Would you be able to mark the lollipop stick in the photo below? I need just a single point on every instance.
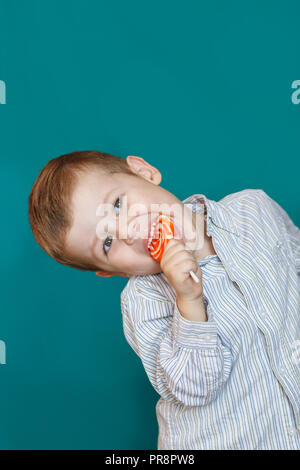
(194, 276)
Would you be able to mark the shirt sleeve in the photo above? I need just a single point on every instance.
(293, 232)
(185, 360)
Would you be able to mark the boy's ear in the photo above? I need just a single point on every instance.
(142, 168)
(108, 274)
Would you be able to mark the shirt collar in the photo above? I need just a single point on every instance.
(215, 214)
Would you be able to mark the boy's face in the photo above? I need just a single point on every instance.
(112, 217)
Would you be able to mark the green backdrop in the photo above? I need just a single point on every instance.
(201, 90)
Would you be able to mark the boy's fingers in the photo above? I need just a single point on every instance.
(180, 257)
(171, 248)
(174, 245)
(186, 265)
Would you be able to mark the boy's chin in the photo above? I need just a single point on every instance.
(154, 270)
(109, 274)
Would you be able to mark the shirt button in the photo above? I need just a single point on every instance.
(282, 370)
(291, 431)
(263, 313)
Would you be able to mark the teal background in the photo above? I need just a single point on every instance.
(201, 90)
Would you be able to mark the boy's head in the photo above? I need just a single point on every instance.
(75, 206)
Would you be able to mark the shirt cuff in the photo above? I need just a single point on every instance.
(194, 334)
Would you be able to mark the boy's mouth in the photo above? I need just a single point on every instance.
(151, 231)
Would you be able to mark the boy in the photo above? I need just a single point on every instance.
(223, 354)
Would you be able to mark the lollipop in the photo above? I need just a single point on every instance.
(162, 231)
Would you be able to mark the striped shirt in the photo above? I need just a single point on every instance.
(232, 382)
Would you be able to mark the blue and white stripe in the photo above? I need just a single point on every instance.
(232, 382)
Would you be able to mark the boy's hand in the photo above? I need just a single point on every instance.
(176, 262)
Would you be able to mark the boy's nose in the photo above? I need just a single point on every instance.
(129, 234)
(132, 231)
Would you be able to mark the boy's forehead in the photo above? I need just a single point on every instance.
(98, 183)
(91, 184)
(89, 191)
(94, 176)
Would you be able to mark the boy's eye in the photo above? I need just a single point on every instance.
(107, 243)
(108, 240)
(118, 203)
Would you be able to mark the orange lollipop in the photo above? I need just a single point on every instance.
(163, 232)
